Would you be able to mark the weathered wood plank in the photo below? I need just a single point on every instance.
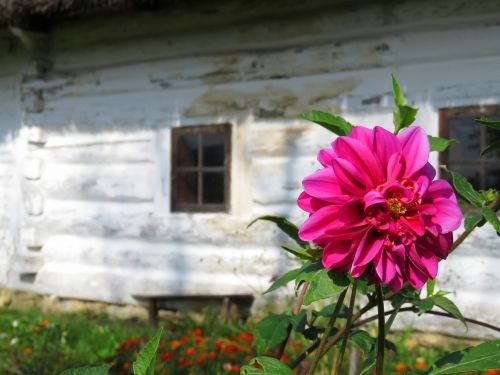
(355, 54)
(349, 22)
(119, 151)
(126, 182)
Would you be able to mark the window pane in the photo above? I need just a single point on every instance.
(213, 149)
(187, 187)
(213, 187)
(493, 176)
(188, 150)
(492, 135)
(470, 171)
(467, 132)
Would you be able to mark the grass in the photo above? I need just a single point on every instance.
(34, 343)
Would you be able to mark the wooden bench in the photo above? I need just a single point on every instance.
(237, 304)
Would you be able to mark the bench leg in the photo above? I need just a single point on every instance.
(153, 312)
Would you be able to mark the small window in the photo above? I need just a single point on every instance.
(201, 168)
(465, 157)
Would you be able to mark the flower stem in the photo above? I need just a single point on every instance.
(381, 332)
(347, 329)
(327, 332)
(296, 310)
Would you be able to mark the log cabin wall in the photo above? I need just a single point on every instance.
(86, 119)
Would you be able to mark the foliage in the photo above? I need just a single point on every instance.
(318, 283)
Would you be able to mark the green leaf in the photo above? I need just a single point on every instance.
(369, 362)
(299, 253)
(403, 115)
(440, 144)
(299, 321)
(491, 217)
(286, 226)
(391, 319)
(335, 124)
(283, 280)
(266, 366)
(431, 285)
(146, 360)
(100, 370)
(271, 331)
(448, 306)
(478, 358)
(323, 283)
(423, 305)
(490, 148)
(362, 340)
(327, 311)
(495, 124)
(465, 189)
(471, 220)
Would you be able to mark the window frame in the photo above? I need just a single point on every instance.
(200, 207)
(468, 111)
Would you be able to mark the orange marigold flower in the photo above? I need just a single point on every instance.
(182, 361)
(247, 358)
(492, 372)
(212, 355)
(202, 361)
(198, 332)
(34, 329)
(400, 367)
(198, 340)
(219, 344)
(126, 365)
(247, 337)
(27, 351)
(166, 356)
(420, 364)
(184, 338)
(175, 344)
(190, 351)
(43, 323)
(235, 368)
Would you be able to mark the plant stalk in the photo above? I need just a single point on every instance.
(347, 329)
(327, 332)
(381, 332)
(296, 310)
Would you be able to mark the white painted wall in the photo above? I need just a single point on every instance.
(95, 149)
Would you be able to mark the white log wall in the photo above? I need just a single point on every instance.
(85, 158)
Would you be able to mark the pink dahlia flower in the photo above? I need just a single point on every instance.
(375, 209)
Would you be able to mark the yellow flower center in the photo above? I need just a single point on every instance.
(396, 207)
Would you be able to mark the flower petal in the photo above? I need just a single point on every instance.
(385, 144)
(415, 148)
(448, 215)
(362, 134)
(319, 222)
(309, 203)
(325, 157)
(322, 184)
(338, 255)
(351, 180)
(360, 157)
(385, 266)
(370, 245)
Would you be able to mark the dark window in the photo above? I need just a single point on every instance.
(458, 123)
(201, 168)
